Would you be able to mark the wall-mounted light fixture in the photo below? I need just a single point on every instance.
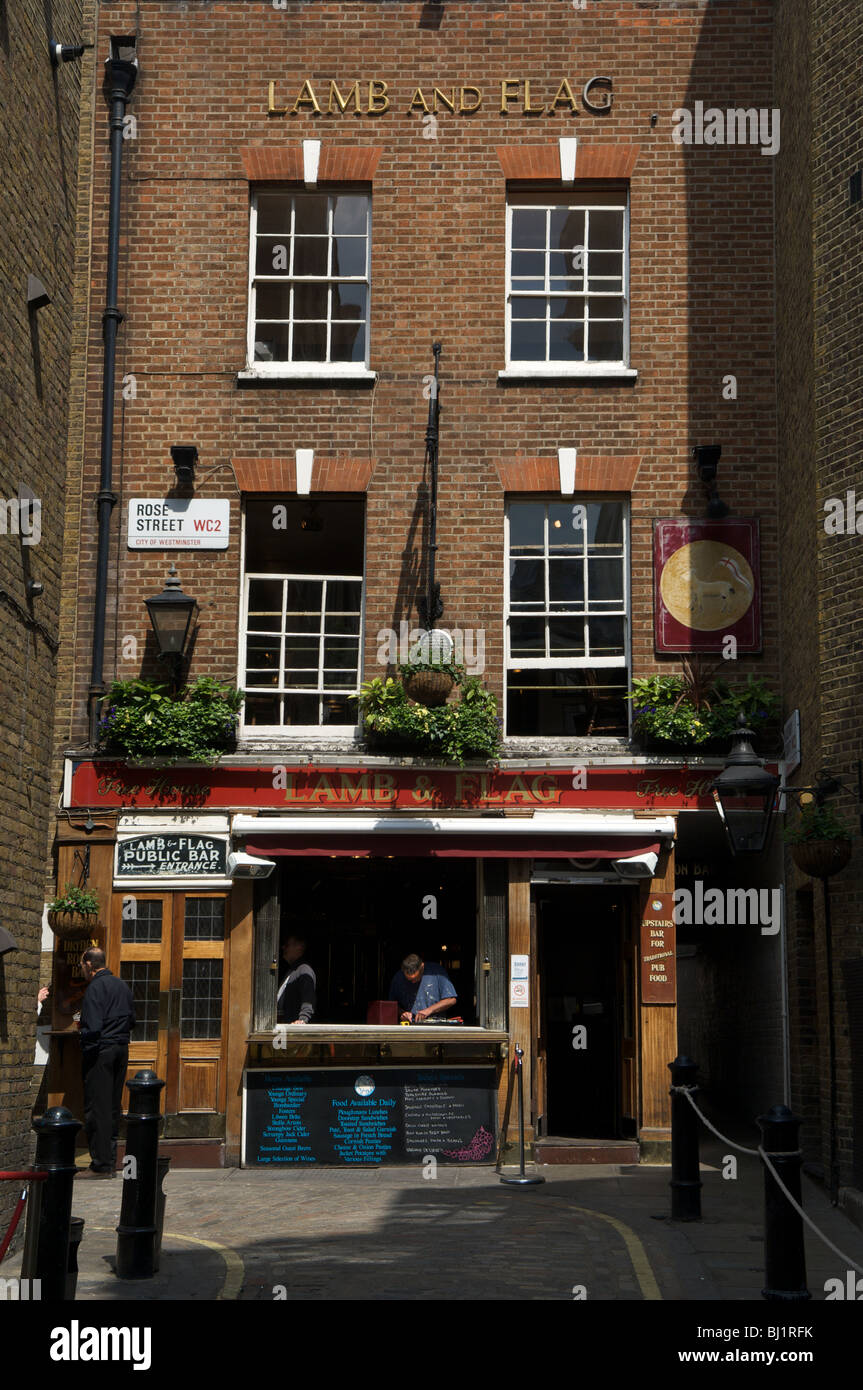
(171, 613)
(185, 458)
(66, 52)
(707, 458)
(745, 796)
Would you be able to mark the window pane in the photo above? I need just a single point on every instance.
(260, 711)
(574, 702)
(310, 301)
(265, 605)
(274, 213)
(569, 307)
(142, 919)
(528, 263)
(310, 255)
(566, 637)
(340, 653)
(272, 342)
(567, 230)
(204, 919)
(607, 308)
(604, 265)
(349, 255)
(337, 709)
(310, 342)
(348, 342)
(528, 341)
(527, 582)
(301, 709)
(526, 521)
(273, 255)
(272, 301)
(528, 308)
(566, 341)
(605, 342)
(606, 231)
(527, 637)
(262, 661)
(343, 596)
(528, 228)
(605, 580)
(564, 538)
(311, 214)
(142, 977)
(566, 583)
(304, 595)
(607, 636)
(350, 213)
(201, 999)
(350, 302)
(605, 525)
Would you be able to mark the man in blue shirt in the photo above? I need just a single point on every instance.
(421, 990)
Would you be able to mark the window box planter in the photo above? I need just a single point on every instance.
(144, 724)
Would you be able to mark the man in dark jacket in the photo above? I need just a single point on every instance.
(296, 999)
(107, 1020)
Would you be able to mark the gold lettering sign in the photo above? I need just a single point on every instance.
(370, 96)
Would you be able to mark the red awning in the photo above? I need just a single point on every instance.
(442, 846)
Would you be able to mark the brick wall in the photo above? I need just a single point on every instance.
(819, 245)
(38, 133)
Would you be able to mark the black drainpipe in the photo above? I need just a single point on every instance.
(120, 74)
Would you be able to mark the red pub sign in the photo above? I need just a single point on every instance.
(281, 787)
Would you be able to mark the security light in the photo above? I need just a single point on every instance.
(66, 52)
(185, 457)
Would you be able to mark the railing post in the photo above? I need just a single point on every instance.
(136, 1233)
(685, 1171)
(76, 1232)
(521, 1179)
(784, 1250)
(49, 1214)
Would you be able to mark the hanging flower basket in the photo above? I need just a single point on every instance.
(821, 858)
(71, 925)
(429, 688)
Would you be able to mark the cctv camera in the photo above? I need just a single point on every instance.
(242, 865)
(639, 866)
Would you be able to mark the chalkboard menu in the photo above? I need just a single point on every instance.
(345, 1115)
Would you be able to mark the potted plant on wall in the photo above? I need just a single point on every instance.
(820, 841)
(74, 912)
(467, 728)
(430, 682)
(144, 721)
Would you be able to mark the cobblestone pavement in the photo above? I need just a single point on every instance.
(391, 1234)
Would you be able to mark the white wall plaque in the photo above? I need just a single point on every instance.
(178, 523)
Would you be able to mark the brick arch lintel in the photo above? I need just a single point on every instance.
(284, 163)
(593, 473)
(330, 473)
(529, 162)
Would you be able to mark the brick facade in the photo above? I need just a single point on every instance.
(820, 371)
(39, 137)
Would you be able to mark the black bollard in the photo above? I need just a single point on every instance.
(136, 1233)
(685, 1172)
(76, 1232)
(46, 1244)
(522, 1180)
(784, 1250)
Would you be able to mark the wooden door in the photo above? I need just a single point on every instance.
(173, 950)
(537, 1017)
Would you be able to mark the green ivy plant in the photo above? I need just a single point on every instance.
(144, 720)
(466, 728)
(816, 823)
(687, 712)
(74, 899)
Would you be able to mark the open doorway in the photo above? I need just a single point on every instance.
(586, 1013)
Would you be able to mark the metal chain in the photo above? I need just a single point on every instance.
(759, 1153)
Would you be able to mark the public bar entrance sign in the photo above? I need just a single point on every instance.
(172, 856)
(344, 1117)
